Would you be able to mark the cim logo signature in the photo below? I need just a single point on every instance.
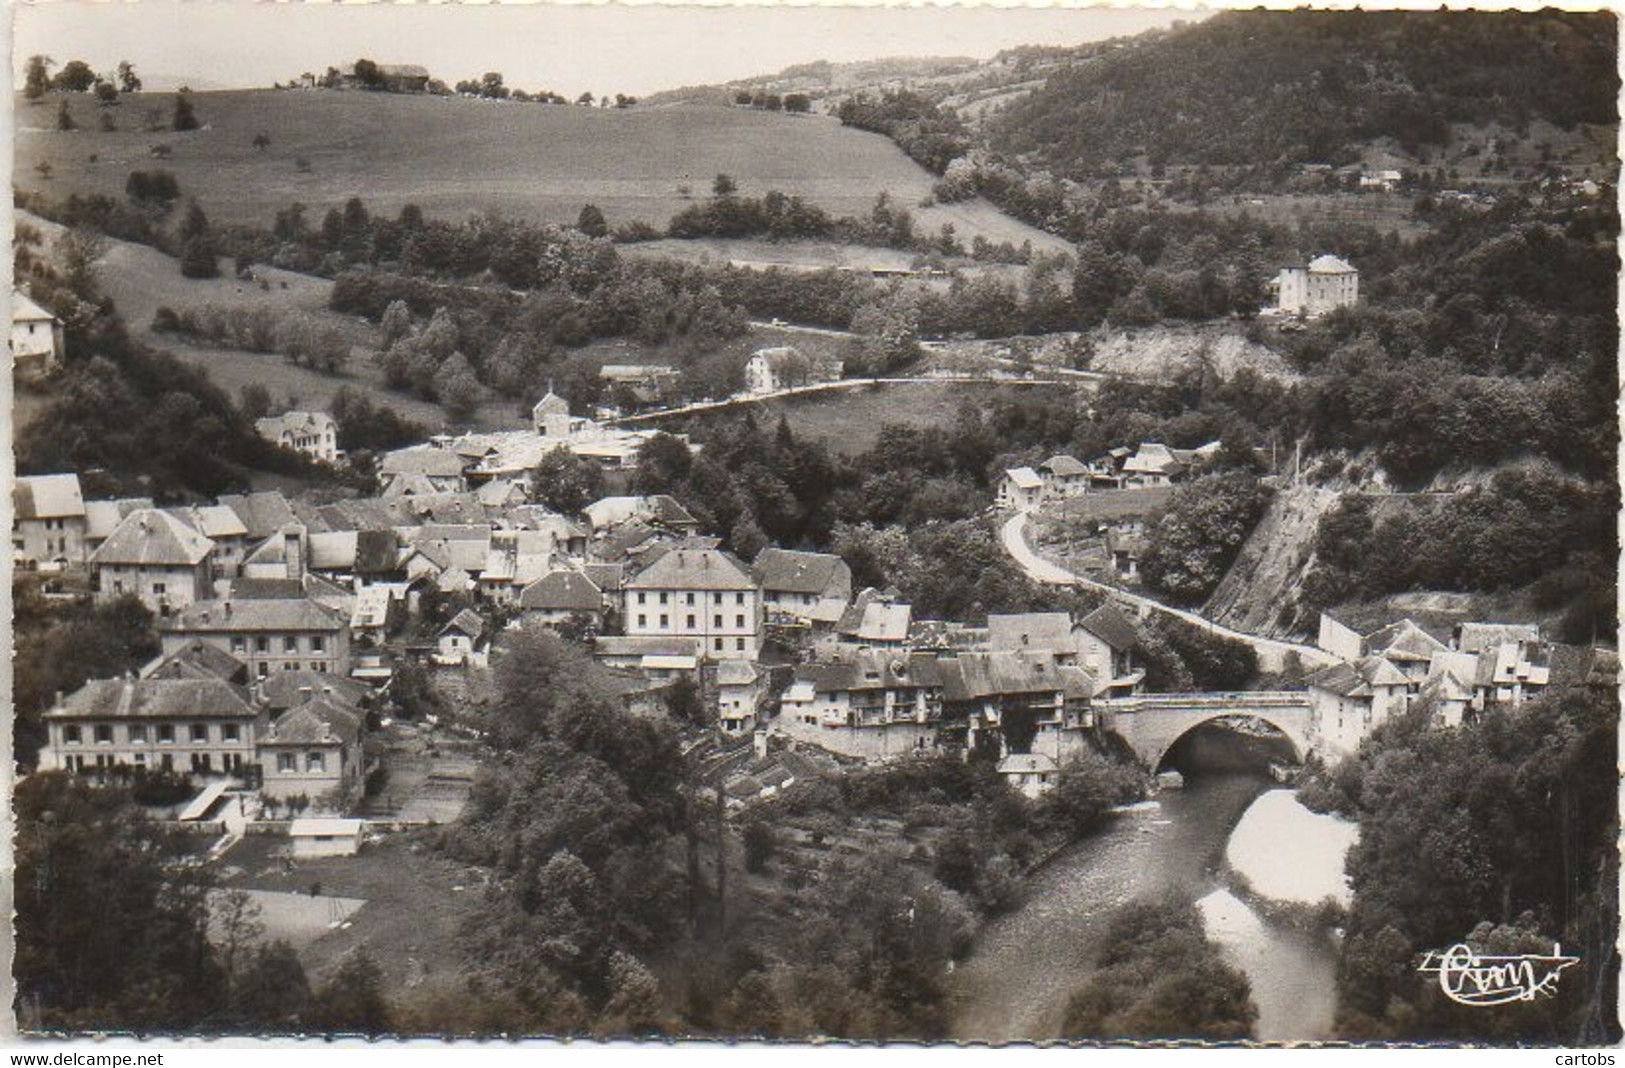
(1470, 978)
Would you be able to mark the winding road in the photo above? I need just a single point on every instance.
(1272, 652)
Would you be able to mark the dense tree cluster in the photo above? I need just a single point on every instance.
(1158, 976)
(930, 136)
(1303, 86)
(305, 340)
(1502, 836)
(1190, 546)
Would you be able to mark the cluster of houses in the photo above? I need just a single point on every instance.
(1150, 465)
(1478, 666)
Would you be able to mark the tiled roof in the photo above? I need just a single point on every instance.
(466, 622)
(1064, 466)
(1029, 630)
(694, 569)
(1024, 477)
(285, 689)
(263, 514)
(318, 721)
(423, 460)
(786, 571)
(1026, 764)
(200, 660)
(249, 614)
(153, 538)
(874, 671)
(1330, 265)
(562, 591)
(1112, 627)
(644, 645)
(973, 676)
(47, 497)
(211, 520)
(1476, 637)
(156, 699)
(103, 517)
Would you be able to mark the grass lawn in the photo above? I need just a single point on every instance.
(453, 156)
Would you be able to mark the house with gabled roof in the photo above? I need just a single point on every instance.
(561, 596)
(198, 660)
(314, 434)
(1347, 701)
(314, 750)
(461, 640)
(156, 557)
(696, 593)
(1327, 283)
(222, 526)
(802, 587)
(1020, 489)
(1064, 476)
(875, 618)
(421, 470)
(36, 339)
(48, 521)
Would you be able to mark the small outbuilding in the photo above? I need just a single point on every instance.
(326, 837)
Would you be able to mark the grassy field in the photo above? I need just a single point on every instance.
(452, 156)
(849, 421)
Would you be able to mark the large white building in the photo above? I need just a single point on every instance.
(697, 593)
(1327, 283)
(36, 338)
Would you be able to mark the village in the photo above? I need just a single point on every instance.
(286, 626)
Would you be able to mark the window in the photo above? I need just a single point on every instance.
(689, 598)
(315, 761)
(263, 669)
(663, 597)
(104, 734)
(239, 644)
(287, 763)
(665, 621)
(166, 733)
(716, 621)
(643, 620)
(739, 621)
(230, 732)
(691, 623)
(290, 665)
(158, 589)
(319, 666)
(716, 598)
(262, 644)
(200, 732)
(643, 598)
(138, 732)
(717, 645)
(739, 644)
(290, 644)
(318, 644)
(71, 735)
(739, 598)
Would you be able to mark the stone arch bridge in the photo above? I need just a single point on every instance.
(1151, 723)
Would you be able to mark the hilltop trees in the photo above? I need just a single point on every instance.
(184, 118)
(37, 78)
(75, 77)
(128, 80)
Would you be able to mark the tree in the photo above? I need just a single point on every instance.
(591, 221)
(351, 1000)
(37, 80)
(128, 81)
(724, 186)
(262, 141)
(585, 99)
(184, 117)
(271, 990)
(64, 118)
(797, 103)
(457, 388)
(396, 322)
(75, 77)
(566, 483)
(254, 400)
(198, 259)
(368, 74)
(1191, 546)
(761, 842)
(491, 85)
(106, 93)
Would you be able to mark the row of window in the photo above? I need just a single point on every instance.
(263, 669)
(692, 624)
(201, 763)
(317, 643)
(102, 733)
(688, 598)
(288, 763)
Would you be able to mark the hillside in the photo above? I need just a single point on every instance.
(1265, 88)
(454, 156)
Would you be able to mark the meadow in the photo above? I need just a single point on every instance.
(453, 156)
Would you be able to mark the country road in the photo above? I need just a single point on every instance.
(1271, 652)
(819, 387)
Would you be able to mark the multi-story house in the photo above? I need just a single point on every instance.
(36, 338)
(799, 587)
(697, 593)
(313, 433)
(156, 557)
(1327, 283)
(314, 750)
(47, 521)
(268, 634)
(199, 726)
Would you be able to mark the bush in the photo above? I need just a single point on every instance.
(761, 843)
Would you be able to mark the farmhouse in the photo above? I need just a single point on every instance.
(1064, 476)
(390, 77)
(1326, 284)
(1029, 773)
(47, 521)
(560, 596)
(460, 640)
(313, 433)
(697, 593)
(36, 339)
(202, 726)
(156, 557)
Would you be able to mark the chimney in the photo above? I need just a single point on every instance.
(293, 553)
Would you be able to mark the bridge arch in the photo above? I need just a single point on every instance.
(1150, 724)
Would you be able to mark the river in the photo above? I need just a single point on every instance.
(1025, 965)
